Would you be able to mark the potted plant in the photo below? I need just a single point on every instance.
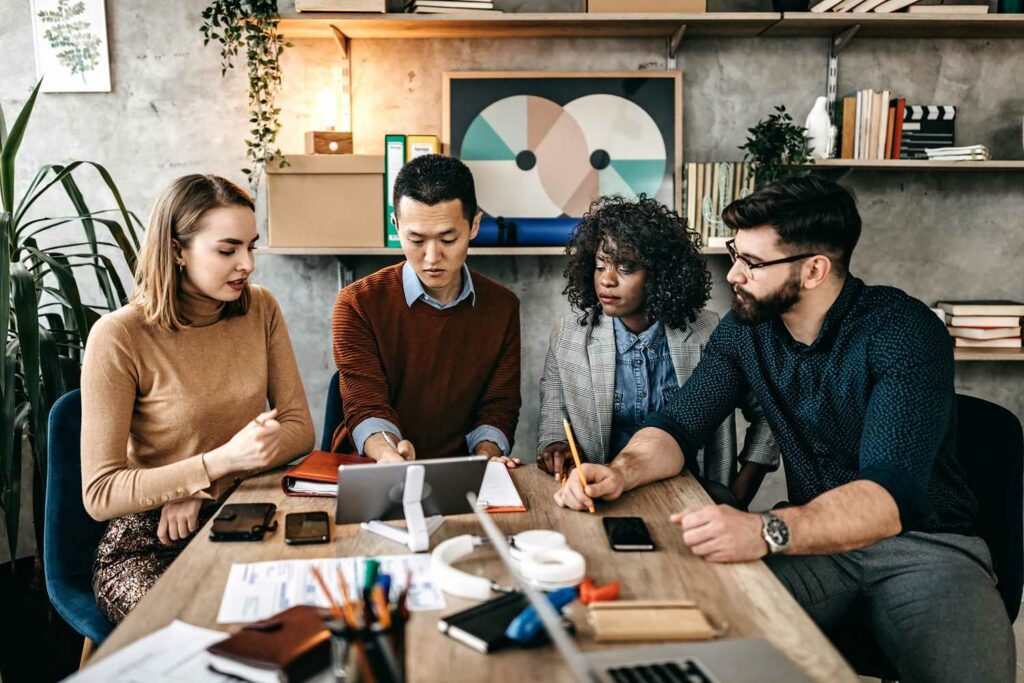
(776, 148)
(44, 320)
(251, 25)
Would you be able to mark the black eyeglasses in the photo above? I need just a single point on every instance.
(749, 268)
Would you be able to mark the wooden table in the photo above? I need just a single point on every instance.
(747, 597)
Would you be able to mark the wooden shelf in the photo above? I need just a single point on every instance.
(916, 165)
(809, 24)
(526, 25)
(713, 24)
(988, 354)
(383, 251)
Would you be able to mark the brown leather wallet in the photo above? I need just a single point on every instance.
(294, 642)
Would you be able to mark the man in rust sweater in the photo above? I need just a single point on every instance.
(428, 350)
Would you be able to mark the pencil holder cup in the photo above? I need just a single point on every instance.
(362, 655)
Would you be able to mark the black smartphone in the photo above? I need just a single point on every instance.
(306, 527)
(628, 533)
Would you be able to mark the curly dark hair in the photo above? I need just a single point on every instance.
(649, 235)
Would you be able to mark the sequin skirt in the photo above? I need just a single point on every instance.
(130, 558)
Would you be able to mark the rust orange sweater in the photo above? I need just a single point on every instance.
(437, 375)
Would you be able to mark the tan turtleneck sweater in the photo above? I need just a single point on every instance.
(154, 401)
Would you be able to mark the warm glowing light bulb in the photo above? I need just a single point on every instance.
(327, 108)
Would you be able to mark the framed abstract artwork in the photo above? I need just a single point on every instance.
(544, 145)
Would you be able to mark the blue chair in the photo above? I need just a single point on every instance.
(990, 448)
(70, 535)
(333, 413)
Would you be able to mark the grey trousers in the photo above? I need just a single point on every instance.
(929, 598)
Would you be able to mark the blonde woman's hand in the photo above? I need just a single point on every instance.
(254, 447)
(179, 519)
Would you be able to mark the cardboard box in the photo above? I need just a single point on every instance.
(341, 6)
(647, 6)
(326, 201)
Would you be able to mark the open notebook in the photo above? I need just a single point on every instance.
(317, 475)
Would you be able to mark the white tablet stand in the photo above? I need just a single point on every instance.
(418, 528)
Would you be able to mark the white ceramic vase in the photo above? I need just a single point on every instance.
(818, 125)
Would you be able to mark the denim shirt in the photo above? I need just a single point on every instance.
(644, 378)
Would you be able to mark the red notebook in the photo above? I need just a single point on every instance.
(317, 474)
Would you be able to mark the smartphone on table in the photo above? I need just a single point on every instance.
(306, 527)
(628, 533)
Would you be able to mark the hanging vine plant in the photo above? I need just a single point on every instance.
(251, 25)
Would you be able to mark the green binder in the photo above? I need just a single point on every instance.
(394, 159)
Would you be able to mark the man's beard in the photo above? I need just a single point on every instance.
(751, 311)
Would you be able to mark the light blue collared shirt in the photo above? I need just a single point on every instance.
(414, 291)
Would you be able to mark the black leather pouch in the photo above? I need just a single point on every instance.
(243, 522)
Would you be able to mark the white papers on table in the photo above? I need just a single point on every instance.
(317, 488)
(261, 589)
(497, 489)
(176, 652)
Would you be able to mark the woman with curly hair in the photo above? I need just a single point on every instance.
(638, 282)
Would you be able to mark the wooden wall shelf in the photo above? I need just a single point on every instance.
(988, 354)
(526, 25)
(384, 251)
(714, 24)
(916, 165)
(807, 24)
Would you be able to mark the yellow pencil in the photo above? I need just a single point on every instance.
(576, 457)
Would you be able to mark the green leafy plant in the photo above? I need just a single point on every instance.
(251, 25)
(79, 47)
(44, 321)
(776, 148)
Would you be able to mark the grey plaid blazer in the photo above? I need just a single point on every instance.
(579, 376)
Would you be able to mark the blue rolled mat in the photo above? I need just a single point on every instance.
(524, 232)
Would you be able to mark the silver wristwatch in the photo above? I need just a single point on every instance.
(775, 533)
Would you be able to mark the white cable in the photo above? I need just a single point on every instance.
(553, 569)
(543, 559)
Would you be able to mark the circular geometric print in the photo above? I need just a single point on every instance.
(531, 157)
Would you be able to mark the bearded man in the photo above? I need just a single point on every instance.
(856, 383)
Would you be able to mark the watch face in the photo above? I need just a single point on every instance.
(778, 531)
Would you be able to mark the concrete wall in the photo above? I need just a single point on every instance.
(170, 113)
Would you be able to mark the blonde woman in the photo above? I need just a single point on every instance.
(175, 388)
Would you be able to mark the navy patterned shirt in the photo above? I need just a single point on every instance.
(871, 398)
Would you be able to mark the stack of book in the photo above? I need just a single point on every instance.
(709, 188)
(983, 324)
(877, 126)
(889, 6)
(478, 7)
(968, 153)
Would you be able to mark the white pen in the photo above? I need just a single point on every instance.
(387, 437)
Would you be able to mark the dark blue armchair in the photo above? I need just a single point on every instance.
(70, 535)
(333, 413)
(990, 448)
